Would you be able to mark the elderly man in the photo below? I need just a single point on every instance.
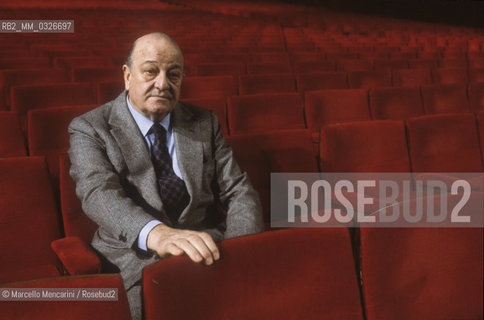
(154, 173)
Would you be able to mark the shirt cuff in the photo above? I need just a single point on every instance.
(143, 235)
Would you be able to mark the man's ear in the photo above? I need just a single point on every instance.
(127, 77)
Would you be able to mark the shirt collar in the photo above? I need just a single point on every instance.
(144, 124)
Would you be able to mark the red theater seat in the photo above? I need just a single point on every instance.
(263, 113)
(24, 63)
(321, 81)
(266, 83)
(284, 151)
(28, 220)
(354, 65)
(369, 146)
(389, 64)
(96, 74)
(369, 79)
(47, 133)
(269, 68)
(449, 75)
(271, 277)
(412, 77)
(218, 105)
(314, 66)
(208, 87)
(333, 106)
(25, 98)
(10, 78)
(445, 98)
(109, 90)
(75, 309)
(70, 63)
(221, 69)
(476, 96)
(476, 74)
(270, 57)
(395, 103)
(444, 143)
(11, 138)
(422, 273)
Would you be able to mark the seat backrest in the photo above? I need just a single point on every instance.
(449, 75)
(395, 103)
(334, 106)
(29, 220)
(266, 83)
(269, 264)
(444, 143)
(95, 74)
(109, 90)
(208, 87)
(314, 66)
(369, 79)
(263, 113)
(11, 138)
(411, 77)
(476, 96)
(445, 98)
(368, 146)
(221, 69)
(75, 309)
(321, 81)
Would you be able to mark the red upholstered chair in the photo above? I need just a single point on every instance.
(412, 77)
(208, 87)
(476, 96)
(333, 106)
(422, 273)
(321, 81)
(109, 90)
(444, 143)
(218, 105)
(76, 309)
(11, 138)
(47, 133)
(25, 98)
(354, 65)
(95, 74)
(221, 69)
(70, 63)
(395, 103)
(449, 75)
(445, 98)
(15, 77)
(263, 113)
(24, 63)
(266, 83)
(283, 151)
(263, 276)
(390, 64)
(29, 220)
(269, 68)
(367, 146)
(369, 79)
(314, 66)
(476, 74)
(270, 57)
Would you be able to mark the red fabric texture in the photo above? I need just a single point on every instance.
(266, 83)
(218, 105)
(11, 138)
(369, 146)
(444, 143)
(480, 126)
(333, 106)
(285, 151)
(47, 133)
(354, 65)
(74, 310)
(76, 223)
(445, 98)
(449, 75)
(289, 274)
(208, 87)
(221, 69)
(314, 66)
(94, 74)
(76, 256)
(395, 103)
(476, 96)
(269, 67)
(476, 74)
(412, 77)
(369, 79)
(268, 112)
(109, 90)
(29, 219)
(389, 64)
(25, 98)
(422, 273)
(321, 81)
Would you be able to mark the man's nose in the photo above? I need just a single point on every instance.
(161, 81)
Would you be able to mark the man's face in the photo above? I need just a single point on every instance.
(155, 77)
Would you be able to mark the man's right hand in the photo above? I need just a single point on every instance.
(199, 246)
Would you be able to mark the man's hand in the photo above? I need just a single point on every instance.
(199, 246)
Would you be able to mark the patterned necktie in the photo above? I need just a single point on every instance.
(173, 191)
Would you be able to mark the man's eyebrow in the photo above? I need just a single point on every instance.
(174, 65)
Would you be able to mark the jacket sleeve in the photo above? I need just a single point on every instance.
(238, 197)
(99, 186)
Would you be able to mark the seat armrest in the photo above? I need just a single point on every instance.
(76, 256)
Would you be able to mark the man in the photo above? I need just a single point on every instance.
(154, 172)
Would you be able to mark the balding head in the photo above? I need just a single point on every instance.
(153, 74)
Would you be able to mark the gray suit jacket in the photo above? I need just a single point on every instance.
(117, 185)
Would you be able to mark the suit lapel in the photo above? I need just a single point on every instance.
(135, 151)
(189, 149)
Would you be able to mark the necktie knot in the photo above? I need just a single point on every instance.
(158, 130)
